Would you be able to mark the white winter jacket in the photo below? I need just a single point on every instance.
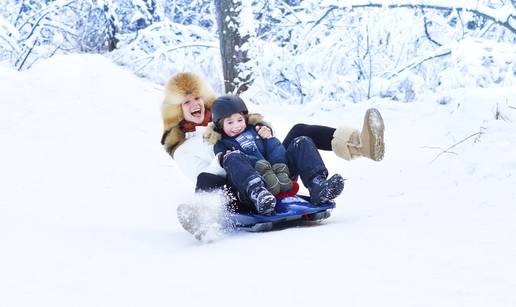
(195, 155)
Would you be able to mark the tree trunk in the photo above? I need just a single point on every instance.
(228, 26)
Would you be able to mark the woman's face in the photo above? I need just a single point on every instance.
(233, 125)
(193, 109)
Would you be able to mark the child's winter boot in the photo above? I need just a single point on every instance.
(262, 199)
(349, 143)
(324, 190)
(264, 168)
(283, 174)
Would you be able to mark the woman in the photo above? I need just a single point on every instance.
(186, 111)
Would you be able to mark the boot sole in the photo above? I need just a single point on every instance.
(375, 132)
(268, 205)
(333, 189)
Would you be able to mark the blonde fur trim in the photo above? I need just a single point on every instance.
(256, 118)
(172, 115)
(210, 135)
(339, 143)
(174, 138)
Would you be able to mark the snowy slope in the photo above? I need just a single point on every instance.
(88, 199)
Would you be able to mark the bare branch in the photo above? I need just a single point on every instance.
(485, 30)
(295, 84)
(49, 10)
(19, 15)
(500, 115)
(331, 8)
(461, 24)
(447, 150)
(35, 26)
(288, 8)
(27, 55)
(165, 50)
(143, 65)
(419, 62)
(9, 42)
(432, 147)
(188, 45)
(427, 34)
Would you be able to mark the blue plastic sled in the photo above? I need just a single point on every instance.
(289, 211)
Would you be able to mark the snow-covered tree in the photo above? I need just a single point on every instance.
(97, 27)
(234, 43)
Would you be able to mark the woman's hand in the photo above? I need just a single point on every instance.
(264, 132)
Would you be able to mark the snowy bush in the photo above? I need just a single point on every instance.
(479, 63)
(165, 48)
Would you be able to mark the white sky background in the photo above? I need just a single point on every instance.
(88, 200)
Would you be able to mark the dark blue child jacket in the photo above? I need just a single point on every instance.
(251, 144)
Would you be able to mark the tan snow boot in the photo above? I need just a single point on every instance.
(371, 137)
(349, 143)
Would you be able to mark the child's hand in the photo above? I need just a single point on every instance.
(264, 132)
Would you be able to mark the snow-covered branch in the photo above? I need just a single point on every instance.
(439, 53)
(504, 16)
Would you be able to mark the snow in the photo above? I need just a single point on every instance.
(88, 203)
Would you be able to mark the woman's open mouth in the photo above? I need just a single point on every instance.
(196, 112)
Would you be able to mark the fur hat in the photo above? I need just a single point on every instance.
(177, 89)
(184, 84)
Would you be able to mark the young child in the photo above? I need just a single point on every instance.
(239, 155)
(266, 154)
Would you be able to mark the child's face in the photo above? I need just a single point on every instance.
(233, 125)
(193, 109)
